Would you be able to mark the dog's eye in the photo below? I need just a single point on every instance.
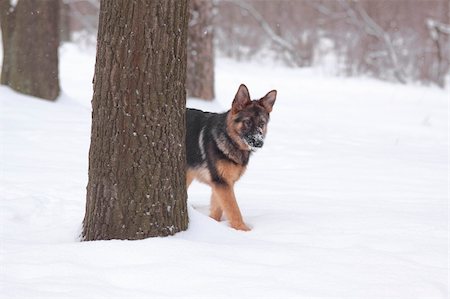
(247, 122)
(262, 124)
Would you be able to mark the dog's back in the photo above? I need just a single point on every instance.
(196, 121)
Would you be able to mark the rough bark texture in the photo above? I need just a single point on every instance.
(30, 47)
(200, 69)
(137, 184)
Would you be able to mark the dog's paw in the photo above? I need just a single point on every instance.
(240, 226)
(216, 216)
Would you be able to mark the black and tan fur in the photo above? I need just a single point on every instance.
(218, 148)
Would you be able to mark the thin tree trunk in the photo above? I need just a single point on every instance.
(137, 180)
(64, 22)
(7, 17)
(30, 47)
(200, 77)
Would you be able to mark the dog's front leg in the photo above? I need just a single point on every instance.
(224, 195)
(215, 211)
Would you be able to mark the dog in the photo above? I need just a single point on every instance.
(218, 148)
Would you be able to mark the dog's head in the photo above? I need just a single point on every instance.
(247, 119)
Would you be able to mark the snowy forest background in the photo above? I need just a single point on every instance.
(347, 199)
(399, 41)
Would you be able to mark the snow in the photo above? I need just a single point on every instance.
(348, 198)
(13, 3)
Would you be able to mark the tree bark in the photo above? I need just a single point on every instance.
(137, 180)
(200, 76)
(30, 47)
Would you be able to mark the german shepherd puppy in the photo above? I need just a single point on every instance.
(218, 148)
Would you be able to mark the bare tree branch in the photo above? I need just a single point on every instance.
(330, 14)
(438, 27)
(277, 39)
(361, 18)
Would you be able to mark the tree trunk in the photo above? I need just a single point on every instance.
(200, 76)
(137, 160)
(64, 22)
(30, 47)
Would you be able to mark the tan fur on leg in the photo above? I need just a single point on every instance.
(227, 200)
(215, 209)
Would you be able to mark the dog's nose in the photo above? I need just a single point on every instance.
(258, 143)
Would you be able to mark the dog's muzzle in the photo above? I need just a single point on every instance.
(254, 141)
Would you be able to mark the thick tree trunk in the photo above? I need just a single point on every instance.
(200, 69)
(30, 47)
(137, 180)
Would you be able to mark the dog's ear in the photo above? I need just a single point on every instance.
(268, 100)
(241, 99)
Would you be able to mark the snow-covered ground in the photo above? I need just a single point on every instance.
(348, 198)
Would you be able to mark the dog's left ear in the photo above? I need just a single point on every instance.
(269, 100)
